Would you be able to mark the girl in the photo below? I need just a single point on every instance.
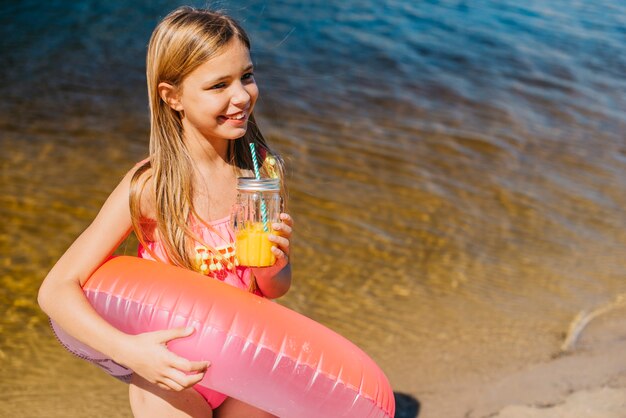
(202, 93)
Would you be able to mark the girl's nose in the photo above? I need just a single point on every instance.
(240, 95)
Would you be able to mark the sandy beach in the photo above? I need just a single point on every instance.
(589, 381)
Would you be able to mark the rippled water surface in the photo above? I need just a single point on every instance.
(457, 172)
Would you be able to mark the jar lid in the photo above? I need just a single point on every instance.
(258, 185)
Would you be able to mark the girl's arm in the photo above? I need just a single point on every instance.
(62, 298)
(275, 281)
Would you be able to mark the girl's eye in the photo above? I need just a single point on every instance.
(218, 86)
(248, 76)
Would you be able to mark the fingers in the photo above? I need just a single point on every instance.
(279, 253)
(182, 371)
(178, 380)
(189, 366)
(283, 234)
(181, 376)
(173, 333)
(285, 227)
(155, 363)
(178, 362)
(178, 383)
(163, 386)
(286, 218)
(170, 384)
(281, 242)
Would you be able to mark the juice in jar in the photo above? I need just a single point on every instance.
(253, 247)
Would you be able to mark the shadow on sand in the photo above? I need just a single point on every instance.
(406, 405)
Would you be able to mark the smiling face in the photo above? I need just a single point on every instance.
(216, 99)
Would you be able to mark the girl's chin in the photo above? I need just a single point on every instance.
(235, 133)
(225, 131)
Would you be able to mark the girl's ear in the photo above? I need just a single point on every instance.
(169, 94)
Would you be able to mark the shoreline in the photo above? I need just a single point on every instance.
(588, 381)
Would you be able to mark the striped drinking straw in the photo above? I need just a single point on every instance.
(257, 174)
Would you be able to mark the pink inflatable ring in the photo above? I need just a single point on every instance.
(260, 352)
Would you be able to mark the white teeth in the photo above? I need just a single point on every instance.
(239, 116)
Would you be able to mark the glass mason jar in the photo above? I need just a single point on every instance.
(258, 206)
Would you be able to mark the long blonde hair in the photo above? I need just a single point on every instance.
(183, 40)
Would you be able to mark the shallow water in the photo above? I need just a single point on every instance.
(457, 174)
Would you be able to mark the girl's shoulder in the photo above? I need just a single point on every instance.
(141, 163)
(141, 188)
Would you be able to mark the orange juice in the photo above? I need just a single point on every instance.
(253, 247)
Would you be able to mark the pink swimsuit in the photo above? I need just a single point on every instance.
(223, 241)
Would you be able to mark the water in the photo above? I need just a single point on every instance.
(457, 173)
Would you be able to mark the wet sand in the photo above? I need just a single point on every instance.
(602, 402)
(587, 382)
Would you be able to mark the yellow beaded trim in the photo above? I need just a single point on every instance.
(210, 263)
(269, 165)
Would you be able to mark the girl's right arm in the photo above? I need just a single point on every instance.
(62, 298)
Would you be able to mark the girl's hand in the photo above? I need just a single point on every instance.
(147, 355)
(275, 281)
(281, 238)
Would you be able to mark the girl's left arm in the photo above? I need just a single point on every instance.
(275, 281)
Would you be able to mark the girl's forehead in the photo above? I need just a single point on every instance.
(230, 60)
(234, 52)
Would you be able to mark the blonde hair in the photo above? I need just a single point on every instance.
(182, 41)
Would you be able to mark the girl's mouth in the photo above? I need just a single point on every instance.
(237, 116)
